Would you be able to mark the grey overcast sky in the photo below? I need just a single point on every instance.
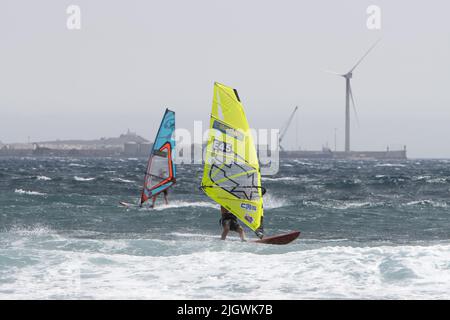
(131, 59)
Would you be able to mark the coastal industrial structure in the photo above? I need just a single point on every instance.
(327, 153)
(286, 127)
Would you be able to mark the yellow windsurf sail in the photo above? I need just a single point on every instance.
(231, 175)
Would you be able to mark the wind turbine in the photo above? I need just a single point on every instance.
(349, 95)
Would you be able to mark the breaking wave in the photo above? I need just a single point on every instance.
(82, 179)
(43, 178)
(121, 180)
(183, 204)
(30, 193)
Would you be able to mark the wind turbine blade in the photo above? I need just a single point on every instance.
(368, 51)
(332, 72)
(354, 106)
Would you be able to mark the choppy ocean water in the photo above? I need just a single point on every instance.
(370, 230)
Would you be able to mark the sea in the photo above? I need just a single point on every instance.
(369, 230)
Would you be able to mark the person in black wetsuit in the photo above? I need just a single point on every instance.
(229, 222)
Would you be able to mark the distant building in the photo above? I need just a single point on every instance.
(133, 149)
(144, 148)
(21, 146)
(130, 148)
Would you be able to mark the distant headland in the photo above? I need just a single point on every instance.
(127, 144)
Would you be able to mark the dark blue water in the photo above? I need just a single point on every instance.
(357, 200)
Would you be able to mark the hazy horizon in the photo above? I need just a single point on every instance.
(132, 59)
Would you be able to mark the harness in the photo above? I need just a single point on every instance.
(227, 216)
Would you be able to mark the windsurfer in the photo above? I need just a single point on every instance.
(165, 192)
(162, 175)
(229, 222)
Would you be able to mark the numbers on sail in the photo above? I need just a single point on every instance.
(222, 146)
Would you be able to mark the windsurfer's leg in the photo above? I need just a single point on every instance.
(241, 234)
(165, 198)
(226, 229)
(153, 201)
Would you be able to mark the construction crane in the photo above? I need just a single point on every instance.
(285, 128)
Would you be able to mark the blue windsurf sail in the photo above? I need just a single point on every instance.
(161, 171)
